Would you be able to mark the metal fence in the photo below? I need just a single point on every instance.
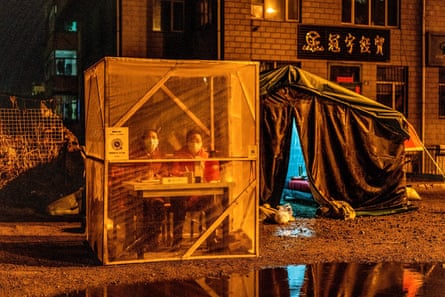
(427, 163)
(27, 138)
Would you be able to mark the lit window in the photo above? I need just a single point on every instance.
(371, 12)
(66, 62)
(67, 107)
(392, 86)
(442, 92)
(278, 10)
(168, 15)
(71, 26)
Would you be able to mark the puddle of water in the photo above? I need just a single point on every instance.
(292, 230)
(324, 279)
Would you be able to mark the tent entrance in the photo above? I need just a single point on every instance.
(297, 190)
(296, 165)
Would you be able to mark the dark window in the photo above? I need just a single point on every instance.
(371, 12)
(393, 13)
(361, 12)
(293, 9)
(392, 86)
(346, 76)
(166, 21)
(378, 13)
(168, 15)
(178, 16)
(204, 13)
(270, 65)
(346, 13)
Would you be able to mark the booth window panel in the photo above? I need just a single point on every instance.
(127, 89)
(183, 104)
(129, 222)
(442, 92)
(244, 124)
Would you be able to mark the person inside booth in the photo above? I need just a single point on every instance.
(200, 171)
(153, 210)
(148, 148)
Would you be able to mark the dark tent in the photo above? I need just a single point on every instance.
(353, 147)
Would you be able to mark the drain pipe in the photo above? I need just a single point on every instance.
(423, 95)
(118, 28)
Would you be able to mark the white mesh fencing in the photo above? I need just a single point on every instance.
(27, 138)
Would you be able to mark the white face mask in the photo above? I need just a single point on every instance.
(151, 144)
(194, 148)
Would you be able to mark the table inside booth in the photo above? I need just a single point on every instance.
(148, 189)
(152, 189)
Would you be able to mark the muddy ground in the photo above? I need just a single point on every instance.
(46, 257)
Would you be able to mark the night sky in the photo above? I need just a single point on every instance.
(22, 41)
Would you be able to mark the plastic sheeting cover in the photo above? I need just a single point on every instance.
(353, 146)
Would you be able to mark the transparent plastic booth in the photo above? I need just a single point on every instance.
(172, 159)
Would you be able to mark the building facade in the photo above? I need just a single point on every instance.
(392, 51)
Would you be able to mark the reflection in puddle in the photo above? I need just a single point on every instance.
(294, 231)
(324, 279)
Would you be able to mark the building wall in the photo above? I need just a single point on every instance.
(133, 15)
(434, 127)
(246, 38)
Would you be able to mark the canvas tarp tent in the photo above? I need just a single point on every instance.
(353, 146)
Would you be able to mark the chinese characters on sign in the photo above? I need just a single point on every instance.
(339, 43)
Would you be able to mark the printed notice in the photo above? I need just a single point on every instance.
(116, 147)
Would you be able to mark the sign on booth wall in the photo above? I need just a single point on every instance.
(117, 146)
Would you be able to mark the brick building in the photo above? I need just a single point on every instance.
(391, 50)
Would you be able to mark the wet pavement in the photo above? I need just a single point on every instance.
(324, 280)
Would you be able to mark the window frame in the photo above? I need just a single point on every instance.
(67, 58)
(354, 82)
(258, 10)
(158, 23)
(396, 87)
(266, 65)
(349, 13)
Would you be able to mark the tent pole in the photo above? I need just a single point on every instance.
(212, 116)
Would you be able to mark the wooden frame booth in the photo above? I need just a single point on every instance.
(172, 162)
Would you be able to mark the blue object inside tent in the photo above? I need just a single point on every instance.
(302, 203)
(297, 166)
